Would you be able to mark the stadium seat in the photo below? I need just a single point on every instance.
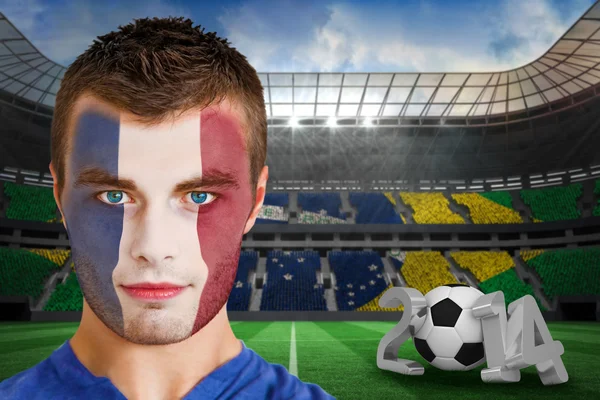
(423, 270)
(554, 203)
(510, 284)
(239, 299)
(320, 208)
(373, 305)
(23, 272)
(273, 209)
(291, 283)
(430, 208)
(359, 278)
(31, 203)
(483, 264)
(568, 272)
(374, 208)
(489, 208)
(66, 296)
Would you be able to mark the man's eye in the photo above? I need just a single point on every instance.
(200, 198)
(113, 197)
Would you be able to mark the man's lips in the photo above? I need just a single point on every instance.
(153, 291)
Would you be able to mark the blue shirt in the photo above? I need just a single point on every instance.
(246, 377)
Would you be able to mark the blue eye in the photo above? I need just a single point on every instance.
(114, 196)
(199, 197)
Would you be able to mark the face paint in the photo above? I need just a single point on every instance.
(158, 235)
(220, 231)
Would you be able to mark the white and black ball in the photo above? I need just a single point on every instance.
(446, 333)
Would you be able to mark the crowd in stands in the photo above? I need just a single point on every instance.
(273, 209)
(510, 284)
(23, 272)
(239, 299)
(553, 203)
(374, 208)
(31, 203)
(359, 275)
(291, 282)
(486, 210)
(320, 208)
(483, 264)
(431, 208)
(66, 296)
(373, 305)
(423, 270)
(567, 272)
(34, 203)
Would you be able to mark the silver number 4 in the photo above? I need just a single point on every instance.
(520, 342)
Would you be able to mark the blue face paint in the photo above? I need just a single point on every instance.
(95, 228)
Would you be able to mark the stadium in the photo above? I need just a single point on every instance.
(377, 180)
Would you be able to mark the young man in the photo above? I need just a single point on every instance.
(158, 153)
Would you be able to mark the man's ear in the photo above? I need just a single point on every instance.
(57, 194)
(261, 190)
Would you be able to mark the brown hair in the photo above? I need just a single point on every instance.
(155, 68)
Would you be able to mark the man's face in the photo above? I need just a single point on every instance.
(137, 212)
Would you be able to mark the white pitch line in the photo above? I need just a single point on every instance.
(293, 360)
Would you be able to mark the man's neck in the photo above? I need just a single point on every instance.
(153, 372)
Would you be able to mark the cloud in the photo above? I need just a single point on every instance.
(426, 38)
(313, 35)
(62, 33)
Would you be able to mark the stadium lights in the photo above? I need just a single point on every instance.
(368, 121)
(332, 122)
(293, 122)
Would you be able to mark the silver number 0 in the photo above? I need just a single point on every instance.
(387, 352)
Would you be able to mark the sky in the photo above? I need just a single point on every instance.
(325, 36)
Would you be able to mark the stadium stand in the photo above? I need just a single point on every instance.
(331, 203)
(373, 305)
(273, 209)
(374, 208)
(597, 193)
(430, 208)
(23, 272)
(567, 272)
(483, 264)
(320, 208)
(307, 217)
(67, 296)
(489, 208)
(359, 278)
(553, 203)
(510, 284)
(423, 270)
(239, 299)
(495, 271)
(291, 283)
(31, 203)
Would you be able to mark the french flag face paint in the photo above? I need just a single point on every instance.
(157, 204)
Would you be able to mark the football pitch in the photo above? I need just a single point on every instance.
(341, 358)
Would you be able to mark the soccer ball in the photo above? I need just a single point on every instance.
(446, 333)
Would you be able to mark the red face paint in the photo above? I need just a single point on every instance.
(221, 225)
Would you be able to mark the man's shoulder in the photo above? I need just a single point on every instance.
(261, 379)
(29, 383)
(44, 381)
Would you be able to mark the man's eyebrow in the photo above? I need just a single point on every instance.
(95, 177)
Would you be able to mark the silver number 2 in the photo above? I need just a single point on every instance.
(387, 352)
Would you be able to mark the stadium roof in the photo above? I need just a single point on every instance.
(570, 66)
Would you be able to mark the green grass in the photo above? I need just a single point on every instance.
(340, 357)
